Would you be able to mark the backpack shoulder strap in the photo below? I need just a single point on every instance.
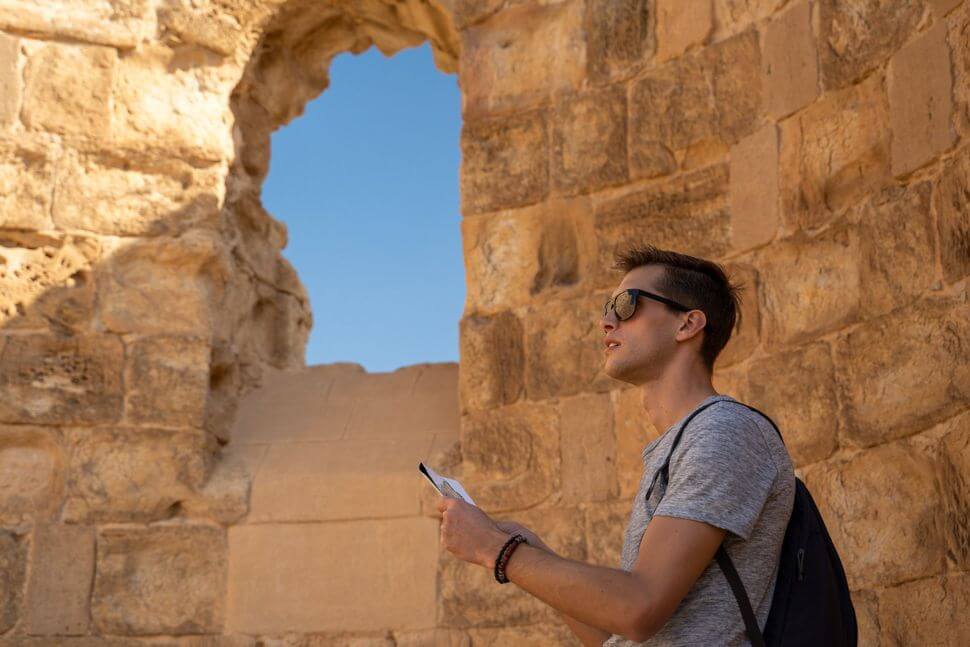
(666, 464)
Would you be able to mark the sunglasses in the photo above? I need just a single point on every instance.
(625, 303)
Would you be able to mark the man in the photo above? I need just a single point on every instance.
(730, 478)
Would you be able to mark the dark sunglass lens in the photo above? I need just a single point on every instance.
(625, 305)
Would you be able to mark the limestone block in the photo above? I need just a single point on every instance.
(856, 38)
(797, 389)
(468, 595)
(900, 373)
(754, 189)
(605, 524)
(31, 474)
(634, 431)
(521, 55)
(955, 458)
(163, 286)
(125, 193)
(120, 474)
(682, 24)
(68, 89)
(671, 108)
(12, 569)
(541, 634)
(493, 361)
(116, 23)
(809, 286)
(511, 455)
(943, 7)
(731, 381)
(689, 214)
(342, 576)
(734, 66)
(921, 108)
(589, 141)
(834, 152)
(747, 334)
(958, 26)
(790, 61)
(62, 558)
(160, 580)
(564, 348)
(952, 197)
(735, 16)
(588, 448)
(931, 611)
(216, 31)
(619, 37)
(161, 100)
(52, 380)
(225, 496)
(11, 85)
(26, 185)
(866, 605)
(432, 638)
(896, 236)
(505, 161)
(167, 381)
(882, 509)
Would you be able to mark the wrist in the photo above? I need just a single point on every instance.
(492, 547)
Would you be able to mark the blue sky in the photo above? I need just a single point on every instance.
(367, 184)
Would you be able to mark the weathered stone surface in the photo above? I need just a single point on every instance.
(802, 402)
(167, 381)
(931, 611)
(900, 373)
(11, 85)
(505, 161)
(605, 523)
(143, 274)
(160, 580)
(26, 185)
(754, 189)
(125, 193)
(225, 496)
(952, 198)
(857, 37)
(12, 569)
(31, 474)
(634, 431)
(833, 153)
(59, 586)
(619, 36)
(70, 380)
(511, 455)
(866, 605)
(682, 24)
(734, 68)
(734, 16)
(117, 23)
(520, 55)
(955, 473)
(378, 573)
(564, 348)
(68, 88)
(747, 334)
(434, 637)
(920, 102)
(689, 214)
(215, 31)
(943, 7)
(588, 448)
(671, 108)
(882, 509)
(589, 141)
(809, 286)
(790, 61)
(467, 597)
(542, 634)
(119, 474)
(896, 237)
(493, 372)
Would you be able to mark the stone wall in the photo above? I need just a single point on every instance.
(817, 148)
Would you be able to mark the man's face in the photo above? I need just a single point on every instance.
(637, 350)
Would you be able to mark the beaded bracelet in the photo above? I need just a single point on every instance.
(502, 561)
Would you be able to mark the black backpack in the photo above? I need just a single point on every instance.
(811, 604)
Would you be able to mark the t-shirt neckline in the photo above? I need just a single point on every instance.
(711, 398)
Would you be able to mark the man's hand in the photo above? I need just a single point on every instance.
(470, 534)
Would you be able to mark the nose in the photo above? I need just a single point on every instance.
(608, 321)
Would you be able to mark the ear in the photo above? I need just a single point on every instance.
(692, 325)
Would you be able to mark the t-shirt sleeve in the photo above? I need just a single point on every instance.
(721, 473)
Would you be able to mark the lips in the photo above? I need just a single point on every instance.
(610, 344)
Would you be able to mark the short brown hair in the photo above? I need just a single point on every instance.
(696, 283)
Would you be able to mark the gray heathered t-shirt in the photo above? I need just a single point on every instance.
(732, 471)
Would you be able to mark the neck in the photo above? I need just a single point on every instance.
(675, 394)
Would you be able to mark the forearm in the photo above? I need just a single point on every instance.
(607, 599)
(589, 636)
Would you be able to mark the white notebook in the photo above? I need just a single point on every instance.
(445, 486)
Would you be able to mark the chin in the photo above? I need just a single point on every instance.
(618, 371)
